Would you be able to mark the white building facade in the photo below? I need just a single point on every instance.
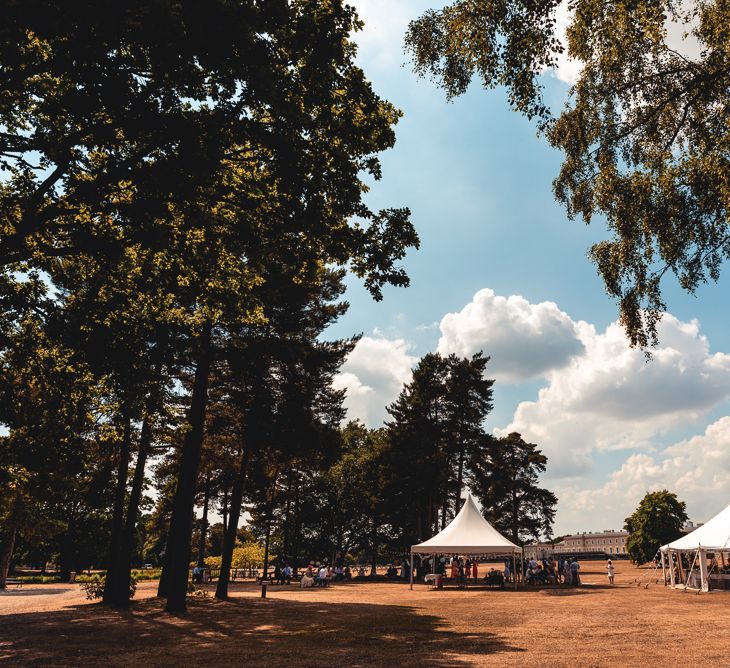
(610, 542)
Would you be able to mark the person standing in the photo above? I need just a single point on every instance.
(575, 572)
(610, 571)
(475, 569)
(567, 574)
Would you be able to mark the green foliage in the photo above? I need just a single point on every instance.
(248, 555)
(435, 436)
(645, 132)
(93, 586)
(38, 579)
(658, 520)
(506, 481)
(203, 203)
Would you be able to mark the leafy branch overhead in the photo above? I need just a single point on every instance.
(645, 132)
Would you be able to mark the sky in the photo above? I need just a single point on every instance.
(502, 269)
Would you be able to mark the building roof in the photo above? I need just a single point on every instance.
(467, 533)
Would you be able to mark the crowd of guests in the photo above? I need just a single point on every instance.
(462, 570)
(563, 570)
(322, 575)
(551, 571)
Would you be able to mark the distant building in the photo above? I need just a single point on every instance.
(610, 542)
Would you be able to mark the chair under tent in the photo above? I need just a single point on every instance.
(468, 534)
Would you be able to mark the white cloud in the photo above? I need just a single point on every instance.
(373, 376)
(381, 41)
(568, 69)
(611, 398)
(697, 470)
(524, 340)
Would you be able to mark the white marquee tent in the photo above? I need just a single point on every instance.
(468, 534)
(713, 536)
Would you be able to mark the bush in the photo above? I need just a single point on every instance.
(143, 575)
(249, 554)
(213, 562)
(38, 579)
(93, 586)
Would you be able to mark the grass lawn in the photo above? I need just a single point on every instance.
(375, 624)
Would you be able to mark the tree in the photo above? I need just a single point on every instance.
(434, 435)
(154, 182)
(644, 133)
(658, 520)
(505, 479)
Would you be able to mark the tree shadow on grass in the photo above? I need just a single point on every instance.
(242, 631)
(34, 590)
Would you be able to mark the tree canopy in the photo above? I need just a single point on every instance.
(645, 131)
(658, 520)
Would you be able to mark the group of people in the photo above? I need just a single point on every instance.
(283, 574)
(547, 571)
(463, 570)
(323, 575)
(551, 571)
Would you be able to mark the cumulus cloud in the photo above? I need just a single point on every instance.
(696, 469)
(611, 398)
(524, 340)
(381, 41)
(373, 376)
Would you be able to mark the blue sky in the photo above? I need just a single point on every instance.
(499, 255)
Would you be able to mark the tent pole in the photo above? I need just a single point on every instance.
(689, 573)
(664, 572)
(411, 570)
(704, 580)
(680, 568)
(514, 569)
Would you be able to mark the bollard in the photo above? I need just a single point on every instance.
(263, 588)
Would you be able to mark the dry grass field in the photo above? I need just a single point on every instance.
(375, 624)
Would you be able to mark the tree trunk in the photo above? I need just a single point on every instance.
(6, 553)
(120, 575)
(296, 529)
(123, 568)
(66, 556)
(374, 550)
(177, 555)
(231, 530)
(225, 514)
(204, 523)
(118, 512)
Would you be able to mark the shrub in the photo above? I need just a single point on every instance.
(93, 586)
(213, 562)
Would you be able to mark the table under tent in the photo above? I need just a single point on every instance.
(468, 534)
(710, 541)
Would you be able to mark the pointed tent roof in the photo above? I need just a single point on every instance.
(467, 533)
(714, 534)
